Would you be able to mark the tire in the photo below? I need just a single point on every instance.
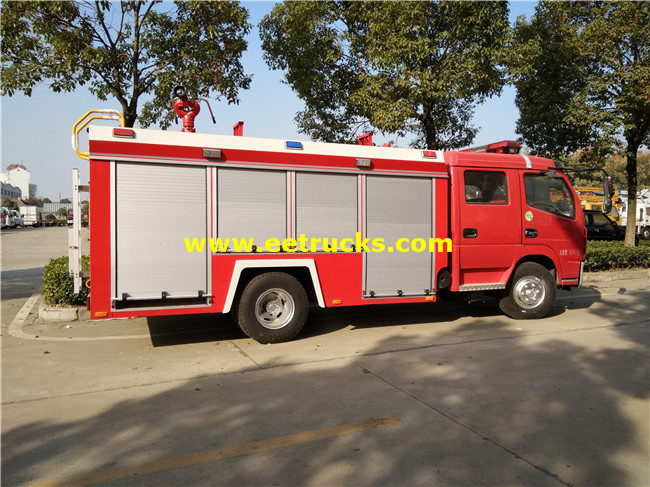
(645, 233)
(531, 293)
(272, 308)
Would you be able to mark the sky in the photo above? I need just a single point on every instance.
(36, 130)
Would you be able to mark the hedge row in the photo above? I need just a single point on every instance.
(605, 256)
(58, 288)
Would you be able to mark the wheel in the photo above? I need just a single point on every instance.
(272, 308)
(531, 293)
(645, 233)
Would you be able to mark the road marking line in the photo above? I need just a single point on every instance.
(209, 456)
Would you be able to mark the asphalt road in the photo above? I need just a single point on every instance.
(437, 394)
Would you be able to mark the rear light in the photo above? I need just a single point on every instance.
(124, 132)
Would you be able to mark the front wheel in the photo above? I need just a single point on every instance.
(531, 293)
(645, 233)
(272, 308)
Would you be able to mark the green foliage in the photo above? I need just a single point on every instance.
(58, 286)
(398, 67)
(12, 205)
(125, 50)
(616, 166)
(62, 213)
(604, 255)
(582, 72)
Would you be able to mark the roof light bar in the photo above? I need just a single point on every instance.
(502, 147)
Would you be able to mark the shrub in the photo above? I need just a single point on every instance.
(58, 287)
(603, 256)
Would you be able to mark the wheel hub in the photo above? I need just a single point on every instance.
(529, 292)
(274, 308)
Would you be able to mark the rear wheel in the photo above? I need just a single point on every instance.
(272, 308)
(531, 293)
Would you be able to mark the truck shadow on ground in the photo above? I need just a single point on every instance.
(180, 330)
(545, 411)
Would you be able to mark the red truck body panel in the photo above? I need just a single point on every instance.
(488, 240)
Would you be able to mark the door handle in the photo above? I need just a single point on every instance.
(470, 232)
(531, 233)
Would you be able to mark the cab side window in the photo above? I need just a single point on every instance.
(486, 187)
(549, 194)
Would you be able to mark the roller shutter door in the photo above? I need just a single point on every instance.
(398, 208)
(326, 206)
(156, 207)
(251, 204)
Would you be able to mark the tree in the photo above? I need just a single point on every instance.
(615, 165)
(125, 50)
(582, 72)
(398, 67)
(7, 203)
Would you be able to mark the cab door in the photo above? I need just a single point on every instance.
(552, 217)
(489, 227)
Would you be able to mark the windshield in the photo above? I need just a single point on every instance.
(550, 194)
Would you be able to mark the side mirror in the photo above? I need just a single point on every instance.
(608, 188)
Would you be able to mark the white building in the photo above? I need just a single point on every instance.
(17, 175)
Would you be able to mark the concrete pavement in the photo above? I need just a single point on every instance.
(481, 399)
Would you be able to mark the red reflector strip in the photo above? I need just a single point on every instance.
(429, 153)
(122, 132)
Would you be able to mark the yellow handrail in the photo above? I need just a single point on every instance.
(107, 114)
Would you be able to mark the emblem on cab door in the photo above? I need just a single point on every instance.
(529, 216)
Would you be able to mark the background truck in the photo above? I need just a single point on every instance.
(513, 223)
(642, 213)
(31, 215)
(592, 198)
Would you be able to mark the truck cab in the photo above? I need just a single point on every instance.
(510, 213)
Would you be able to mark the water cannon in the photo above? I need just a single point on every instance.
(188, 108)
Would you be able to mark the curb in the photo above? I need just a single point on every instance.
(604, 276)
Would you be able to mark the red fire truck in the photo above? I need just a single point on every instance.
(506, 225)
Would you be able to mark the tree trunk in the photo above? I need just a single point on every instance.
(630, 228)
(129, 118)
